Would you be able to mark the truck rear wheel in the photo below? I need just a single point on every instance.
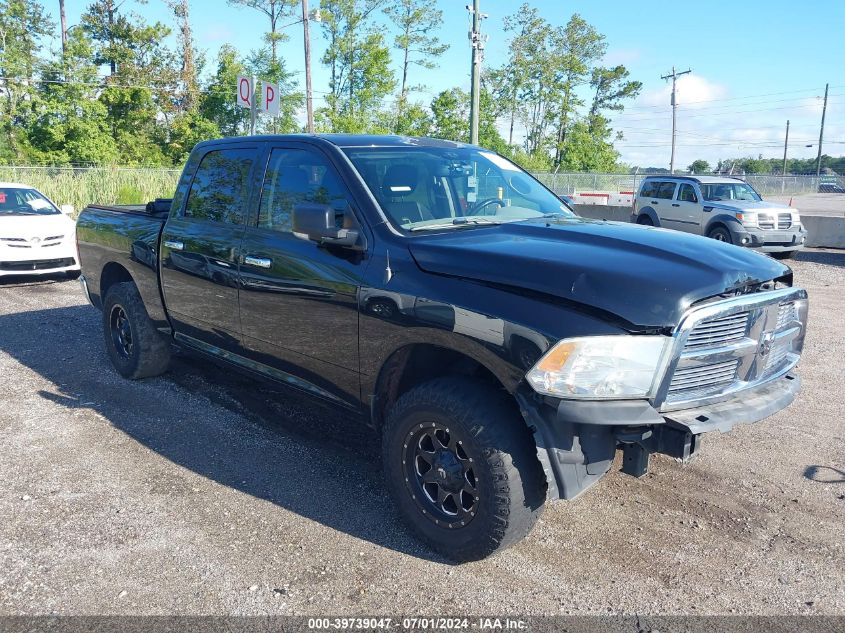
(462, 467)
(136, 348)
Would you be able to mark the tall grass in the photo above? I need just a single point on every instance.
(103, 185)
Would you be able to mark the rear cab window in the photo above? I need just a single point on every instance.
(666, 191)
(220, 188)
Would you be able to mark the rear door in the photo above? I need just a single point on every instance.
(201, 245)
(662, 199)
(687, 209)
(298, 299)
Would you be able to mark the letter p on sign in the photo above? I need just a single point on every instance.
(270, 101)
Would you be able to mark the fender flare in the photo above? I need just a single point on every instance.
(730, 222)
(650, 212)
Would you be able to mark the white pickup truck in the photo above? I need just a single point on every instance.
(726, 209)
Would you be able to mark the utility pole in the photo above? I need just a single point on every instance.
(309, 106)
(253, 111)
(63, 21)
(477, 42)
(821, 134)
(785, 145)
(674, 76)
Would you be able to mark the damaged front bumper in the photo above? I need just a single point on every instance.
(577, 440)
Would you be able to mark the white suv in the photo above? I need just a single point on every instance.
(726, 209)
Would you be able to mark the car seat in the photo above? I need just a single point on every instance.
(399, 182)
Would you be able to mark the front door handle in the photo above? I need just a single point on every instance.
(654, 202)
(675, 205)
(261, 262)
(174, 245)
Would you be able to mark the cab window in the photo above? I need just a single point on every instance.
(295, 176)
(666, 191)
(686, 193)
(220, 187)
(649, 189)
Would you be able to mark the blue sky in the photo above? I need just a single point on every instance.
(755, 65)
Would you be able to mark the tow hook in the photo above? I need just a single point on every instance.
(638, 443)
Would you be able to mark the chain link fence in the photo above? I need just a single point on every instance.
(81, 186)
(569, 183)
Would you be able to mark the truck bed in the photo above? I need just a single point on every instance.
(111, 236)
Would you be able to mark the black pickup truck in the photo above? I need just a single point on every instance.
(503, 347)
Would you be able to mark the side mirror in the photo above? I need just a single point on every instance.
(323, 224)
(67, 209)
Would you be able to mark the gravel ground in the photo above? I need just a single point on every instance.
(201, 493)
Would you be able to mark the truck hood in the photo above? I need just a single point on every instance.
(646, 276)
(748, 205)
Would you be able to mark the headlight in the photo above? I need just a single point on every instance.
(747, 218)
(599, 367)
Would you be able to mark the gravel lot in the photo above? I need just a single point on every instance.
(201, 493)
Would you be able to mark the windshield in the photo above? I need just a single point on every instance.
(17, 201)
(430, 188)
(729, 191)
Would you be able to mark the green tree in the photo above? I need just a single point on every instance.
(274, 10)
(587, 150)
(22, 25)
(450, 111)
(139, 93)
(71, 126)
(218, 105)
(699, 167)
(415, 121)
(415, 20)
(576, 48)
(359, 64)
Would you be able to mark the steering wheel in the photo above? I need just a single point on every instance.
(479, 206)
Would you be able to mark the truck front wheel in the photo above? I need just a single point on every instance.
(136, 348)
(462, 467)
(720, 234)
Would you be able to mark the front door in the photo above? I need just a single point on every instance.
(299, 299)
(200, 247)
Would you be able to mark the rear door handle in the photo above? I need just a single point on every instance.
(675, 205)
(654, 202)
(174, 245)
(261, 262)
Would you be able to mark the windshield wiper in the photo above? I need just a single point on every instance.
(461, 222)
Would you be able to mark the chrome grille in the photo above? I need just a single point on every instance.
(718, 332)
(787, 313)
(734, 344)
(784, 220)
(765, 221)
(703, 377)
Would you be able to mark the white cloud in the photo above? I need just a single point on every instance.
(692, 91)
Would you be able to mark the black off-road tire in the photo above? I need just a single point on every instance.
(510, 482)
(720, 234)
(148, 352)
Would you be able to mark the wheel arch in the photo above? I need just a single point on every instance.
(727, 222)
(651, 213)
(418, 362)
(113, 273)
